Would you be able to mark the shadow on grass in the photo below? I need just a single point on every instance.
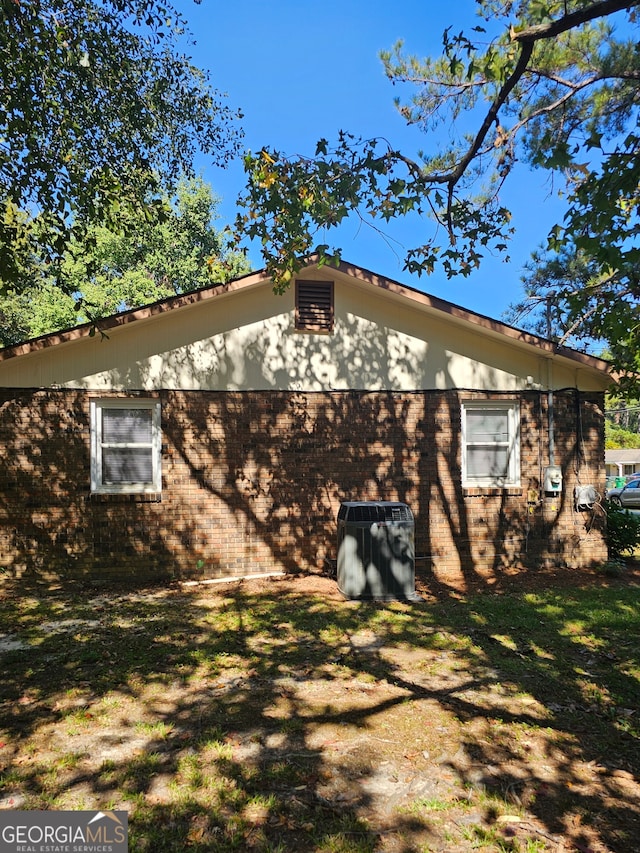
(273, 719)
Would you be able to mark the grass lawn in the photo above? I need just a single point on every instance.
(274, 716)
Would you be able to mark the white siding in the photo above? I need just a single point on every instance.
(246, 340)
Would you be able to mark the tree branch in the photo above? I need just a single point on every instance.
(526, 39)
(601, 9)
(492, 114)
(580, 321)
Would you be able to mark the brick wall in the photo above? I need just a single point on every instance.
(252, 483)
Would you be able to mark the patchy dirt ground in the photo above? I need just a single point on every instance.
(428, 756)
(397, 765)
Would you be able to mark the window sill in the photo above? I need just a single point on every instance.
(490, 491)
(126, 497)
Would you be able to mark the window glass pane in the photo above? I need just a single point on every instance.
(127, 426)
(127, 465)
(487, 426)
(489, 462)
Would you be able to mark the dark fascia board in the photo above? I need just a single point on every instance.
(481, 321)
(114, 321)
(260, 277)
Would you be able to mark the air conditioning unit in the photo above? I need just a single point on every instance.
(376, 557)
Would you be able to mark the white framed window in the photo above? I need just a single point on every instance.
(491, 443)
(125, 446)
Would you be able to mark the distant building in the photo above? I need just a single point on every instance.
(621, 463)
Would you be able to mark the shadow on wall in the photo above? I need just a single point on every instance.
(50, 525)
(267, 353)
(253, 480)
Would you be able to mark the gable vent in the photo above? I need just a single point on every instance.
(314, 306)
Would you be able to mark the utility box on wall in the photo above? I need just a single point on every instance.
(376, 558)
(553, 480)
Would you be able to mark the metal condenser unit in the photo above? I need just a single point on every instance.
(376, 558)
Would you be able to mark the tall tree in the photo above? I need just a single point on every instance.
(115, 270)
(98, 106)
(576, 297)
(552, 82)
(563, 297)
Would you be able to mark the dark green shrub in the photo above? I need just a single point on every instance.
(623, 530)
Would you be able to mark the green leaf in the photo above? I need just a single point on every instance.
(93, 98)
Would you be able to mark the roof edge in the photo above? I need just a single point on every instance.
(464, 314)
(144, 312)
(261, 277)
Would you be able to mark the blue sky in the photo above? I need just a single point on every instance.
(301, 71)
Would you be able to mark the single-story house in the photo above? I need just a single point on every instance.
(217, 433)
(622, 462)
